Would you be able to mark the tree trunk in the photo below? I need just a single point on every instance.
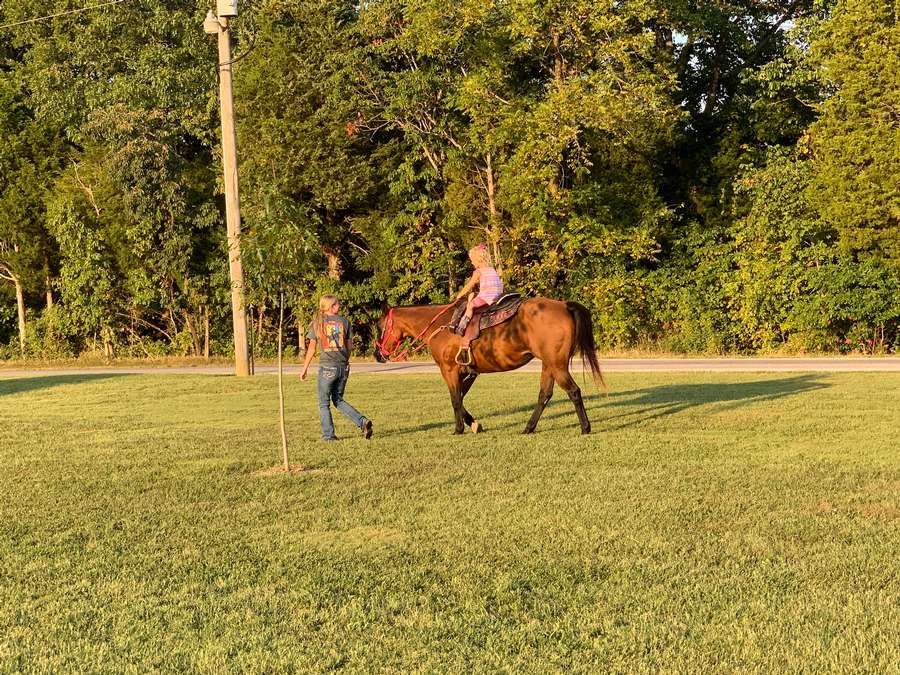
(260, 319)
(170, 313)
(20, 307)
(109, 349)
(48, 286)
(684, 57)
(451, 279)
(284, 447)
(7, 273)
(206, 332)
(252, 345)
(664, 40)
(712, 89)
(494, 218)
(190, 321)
(559, 73)
(334, 262)
(301, 336)
(559, 63)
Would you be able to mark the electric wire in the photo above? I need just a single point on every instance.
(55, 16)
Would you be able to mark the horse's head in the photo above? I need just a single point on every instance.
(391, 336)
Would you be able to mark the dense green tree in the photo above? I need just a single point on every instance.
(298, 145)
(855, 142)
(30, 156)
(710, 176)
(533, 126)
(133, 90)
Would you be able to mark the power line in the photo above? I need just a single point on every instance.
(66, 13)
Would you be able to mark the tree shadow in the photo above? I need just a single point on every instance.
(669, 399)
(20, 385)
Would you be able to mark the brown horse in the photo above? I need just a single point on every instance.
(549, 330)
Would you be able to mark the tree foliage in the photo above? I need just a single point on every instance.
(713, 177)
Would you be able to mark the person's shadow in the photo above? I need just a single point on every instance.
(643, 405)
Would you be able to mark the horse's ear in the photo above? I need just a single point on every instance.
(384, 306)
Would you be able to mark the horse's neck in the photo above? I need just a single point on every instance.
(417, 318)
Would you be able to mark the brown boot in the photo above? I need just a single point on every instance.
(463, 324)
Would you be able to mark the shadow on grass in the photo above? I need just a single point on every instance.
(447, 423)
(654, 402)
(19, 385)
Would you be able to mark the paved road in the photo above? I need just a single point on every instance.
(773, 365)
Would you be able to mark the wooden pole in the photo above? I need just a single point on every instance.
(232, 204)
(284, 444)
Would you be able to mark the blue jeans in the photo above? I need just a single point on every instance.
(330, 385)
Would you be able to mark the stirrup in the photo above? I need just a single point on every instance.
(464, 356)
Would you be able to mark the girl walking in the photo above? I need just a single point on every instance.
(332, 332)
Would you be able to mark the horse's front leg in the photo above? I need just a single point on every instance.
(459, 414)
(454, 385)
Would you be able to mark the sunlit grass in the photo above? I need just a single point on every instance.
(710, 522)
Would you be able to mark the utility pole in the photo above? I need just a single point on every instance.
(218, 25)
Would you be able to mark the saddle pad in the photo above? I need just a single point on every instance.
(502, 310)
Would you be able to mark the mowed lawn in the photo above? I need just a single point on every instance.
(742, 522)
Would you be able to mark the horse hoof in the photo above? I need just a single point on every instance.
(585, 431)
(528, 431)
(476, 428)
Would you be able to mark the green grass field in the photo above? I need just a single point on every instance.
(746, 522)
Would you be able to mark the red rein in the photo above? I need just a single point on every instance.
(392, 355)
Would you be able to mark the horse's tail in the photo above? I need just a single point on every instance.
(584, 339)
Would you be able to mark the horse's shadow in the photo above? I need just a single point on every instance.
(422, 427)
(656, 402)
(639, 406)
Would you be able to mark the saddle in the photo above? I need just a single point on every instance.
(502, 309)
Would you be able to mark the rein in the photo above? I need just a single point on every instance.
(392, 355)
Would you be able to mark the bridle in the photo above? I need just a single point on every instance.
(392, 354)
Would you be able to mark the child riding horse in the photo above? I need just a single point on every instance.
(550, 330)
(490, 287)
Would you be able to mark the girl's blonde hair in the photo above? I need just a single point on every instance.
(325, 304)
(480, 255)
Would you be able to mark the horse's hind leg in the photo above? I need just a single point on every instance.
(544, 397)
(566, 381)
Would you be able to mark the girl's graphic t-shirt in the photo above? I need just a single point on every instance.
(334, 340)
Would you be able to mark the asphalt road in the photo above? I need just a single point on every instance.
(720, 365)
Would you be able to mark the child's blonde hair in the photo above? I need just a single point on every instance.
(480, 255)
(326, 302)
